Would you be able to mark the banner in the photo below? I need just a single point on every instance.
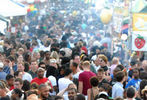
(140, 22)
(139, 41)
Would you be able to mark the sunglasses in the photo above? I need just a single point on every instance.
(101, 60)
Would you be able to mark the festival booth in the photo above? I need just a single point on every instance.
(139, 27)
(13, 11)
(3, 24)
(10, 8)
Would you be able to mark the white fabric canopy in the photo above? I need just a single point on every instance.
(10, 8)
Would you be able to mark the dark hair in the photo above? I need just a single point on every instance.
(26, 66)
(18, 91)
(11, 58)
(30, 92)
(118, 98)
(41, 63)
(34, 86)
(133, 62)
(62, 53)
(120, 66)
(107, 87)
(65, 60)
(136, 69)
(143, 83)
(74, 55)
(16, 73)
(94, 81)
(67, 71)
(86, 58)
(74, 64)
(101, 96)
(63, 44)
(143, 75)
(80, 97)
(9, 76)
(26, 56)
(130, 92)
(100, 70)
(28, 45)
(119, 76)
(42, 53)
(26, 85)
(58, 97)
(144, 96)
(19, 80)
(51, 71)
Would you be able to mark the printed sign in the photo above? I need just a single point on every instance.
(140, 22)
(139, 41)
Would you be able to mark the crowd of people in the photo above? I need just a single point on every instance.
(50, 58)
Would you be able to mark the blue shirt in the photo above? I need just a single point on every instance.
(134, 82)
(117, 90)
(7, 69)
(3, 75)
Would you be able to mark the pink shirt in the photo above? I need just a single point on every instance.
(112, 68)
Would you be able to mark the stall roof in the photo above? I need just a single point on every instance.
(11, 8)
(144, 10)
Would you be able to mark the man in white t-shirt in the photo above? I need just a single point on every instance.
(73, 67)
(66, 80)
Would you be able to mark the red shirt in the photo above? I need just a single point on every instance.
(85, 78)
(11, 88)
(39, 81)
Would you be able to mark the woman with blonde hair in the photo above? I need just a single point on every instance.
(55, 55)
(115, 62)
(3, 90)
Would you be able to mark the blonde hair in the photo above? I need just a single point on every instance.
(86, 63)
(115, 60)
(54, 55)
(103, 57)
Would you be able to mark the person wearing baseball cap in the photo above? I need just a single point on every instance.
(2, 73)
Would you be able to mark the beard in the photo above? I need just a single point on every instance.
(71, 98)
(47, 58)
(44, 97)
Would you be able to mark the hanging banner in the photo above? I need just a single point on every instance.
(139, 22)
(139, 41)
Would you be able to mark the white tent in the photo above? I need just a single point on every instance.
(11, 8)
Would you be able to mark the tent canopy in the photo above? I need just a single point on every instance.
(11, 8)
(144, 10)
(139, 5)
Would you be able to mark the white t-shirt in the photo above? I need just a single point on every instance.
(63, 83)
(54, 83)
(44, 74)
(65, 97)
(77, 75)
(27, 76)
